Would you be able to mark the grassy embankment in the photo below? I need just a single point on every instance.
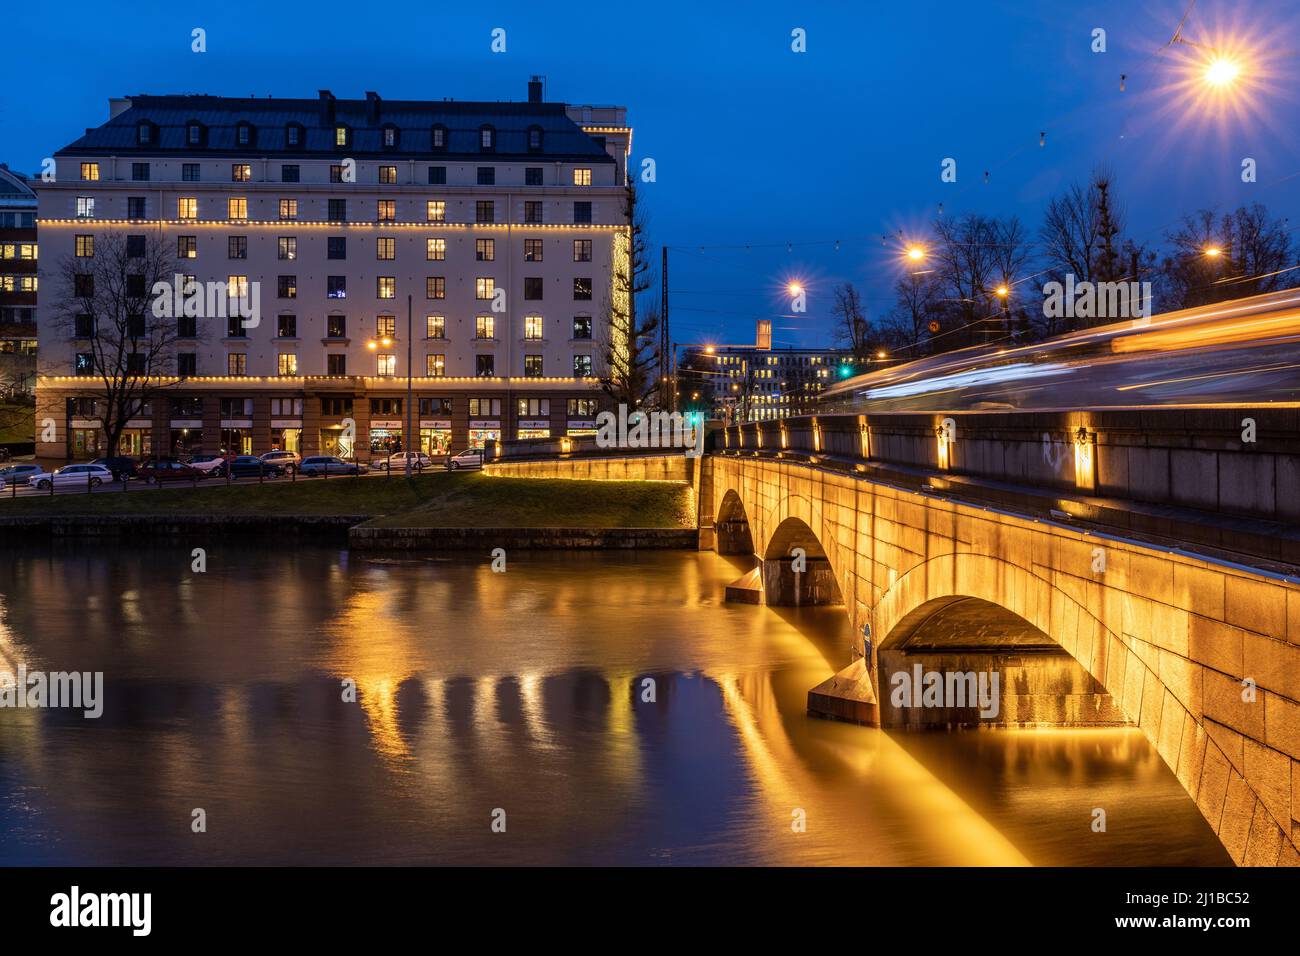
(440, 500)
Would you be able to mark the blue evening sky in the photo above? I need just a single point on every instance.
(765, 157)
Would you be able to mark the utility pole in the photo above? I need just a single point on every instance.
(665, 338)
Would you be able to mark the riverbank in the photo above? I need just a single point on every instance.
(449, 506)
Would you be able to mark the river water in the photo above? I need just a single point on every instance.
(517, 698)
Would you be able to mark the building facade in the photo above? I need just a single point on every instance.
(18, 283)
(752, 384)
(317, 221)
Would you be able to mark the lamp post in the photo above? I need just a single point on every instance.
(410, 372)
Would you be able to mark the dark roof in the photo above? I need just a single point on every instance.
(14, 188)
(270, 119)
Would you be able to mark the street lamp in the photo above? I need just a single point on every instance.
(1213, 252)
(1221, 72)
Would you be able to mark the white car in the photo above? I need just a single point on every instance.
(74, 476)
(397, 462)
(469, 458)
(18, 474)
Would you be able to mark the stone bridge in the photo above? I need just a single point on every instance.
(1156, 552)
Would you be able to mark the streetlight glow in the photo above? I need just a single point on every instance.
(915, 253)
(1002, 291)
(1222, 72)
(1213, 251)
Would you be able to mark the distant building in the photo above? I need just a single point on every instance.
(503, 220)
(748, 384)
(18, 281)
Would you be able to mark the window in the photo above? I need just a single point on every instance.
(387, 211)
(286, 408)
(390, 138)
(485, 327)
(83, 286)
(287, 286)
(237, 363)
(135, 363)
(533, 176)
(85, 207)
(582, 366)
(335, 364)
(385, 287)
(385, 365)
(237, 208)
(287, 363)
(582, 212)
(336, 173)
(385, 406)
(581, 250)
(341, 135)
(582, 177)
(187, 247)
(287, 247)
(437, 175)
(187, 364)
(144, 133)
(485, 366)
(386, 326)
(436, 210)
(532, 211)
(190, 407)
(436, 327)
(484, 250)
(532, 288)
(84, 364)
(485, 408)
(187, 327)
(435, 287)
(243, 134)
(532, 250)
(241, 173)
(487, 139)
(338, 210)
(485, 287)
(533, 327)
(336, 247)
(388, 175)
(235, 328)
(582, 408)
(438, 138)
(85, 247)
(436, 250)
(336, 406)
(189, 172)
(487, 175)
(293, 136)
(83, 326)
(236, 408)
(534, 139)
(288, 209)
(435, 406)
(582, 326)
(90, 172)
(484, 211)
(435, 365)
(582, 289)
(237, 247)
(140, 172)
(135, 207)
(385, 247)
(336, 327)
(289, 174)
(286, 326)
(533, 407)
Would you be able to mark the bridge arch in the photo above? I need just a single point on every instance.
(899, 557)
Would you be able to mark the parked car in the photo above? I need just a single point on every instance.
(469, 458)
(250, 466)
(123, 467)
(73, 476)
(18, 474)
(159, 470)
(324, 465)
(210, 465)
(397, 462)
(287, 461)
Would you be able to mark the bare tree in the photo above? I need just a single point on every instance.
(852, 330)
(1243, 253)
(632, 352)
(106, 302)
(975, 256)
(916, 306)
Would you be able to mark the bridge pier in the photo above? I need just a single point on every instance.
(785, 587)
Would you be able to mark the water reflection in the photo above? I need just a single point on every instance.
(521, 691)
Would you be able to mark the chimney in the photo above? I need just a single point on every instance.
(117, 105)
(372, 106)
(326, 108)
(535, 89)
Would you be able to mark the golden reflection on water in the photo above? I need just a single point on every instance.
(521, 691)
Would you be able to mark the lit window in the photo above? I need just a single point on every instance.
(237, 208)
(581, 250)
(486, 137)
(484, 250)
(241, 173)
(485, 327)
(385, 248)
(532, 366)
(582, 177)
(435, 365)
(340, 135)
(436, 327)
(288, 247)
(435, 287)
(386, 365)
(436, 210)
(187, 207)
(387, 287)
(85, 247)
(288, 363)
(388, 174)
(85, 207)
(237, 363)
(484, 288)
(386, 326)
(288, 209)
(533, 327)
(532, 250)
(387, 210)
(90, 172)
(437, 250)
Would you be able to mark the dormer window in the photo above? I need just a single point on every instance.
(534, 139)
(439, 135)
(144, 133)
(293, 136)
(243, 134)
(342, 136)
(194, 133)
(487, 139)
(390, 136)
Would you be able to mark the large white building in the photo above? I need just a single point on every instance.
(501, 221)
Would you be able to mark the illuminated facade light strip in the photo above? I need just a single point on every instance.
(297, 223)
(368, 380)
